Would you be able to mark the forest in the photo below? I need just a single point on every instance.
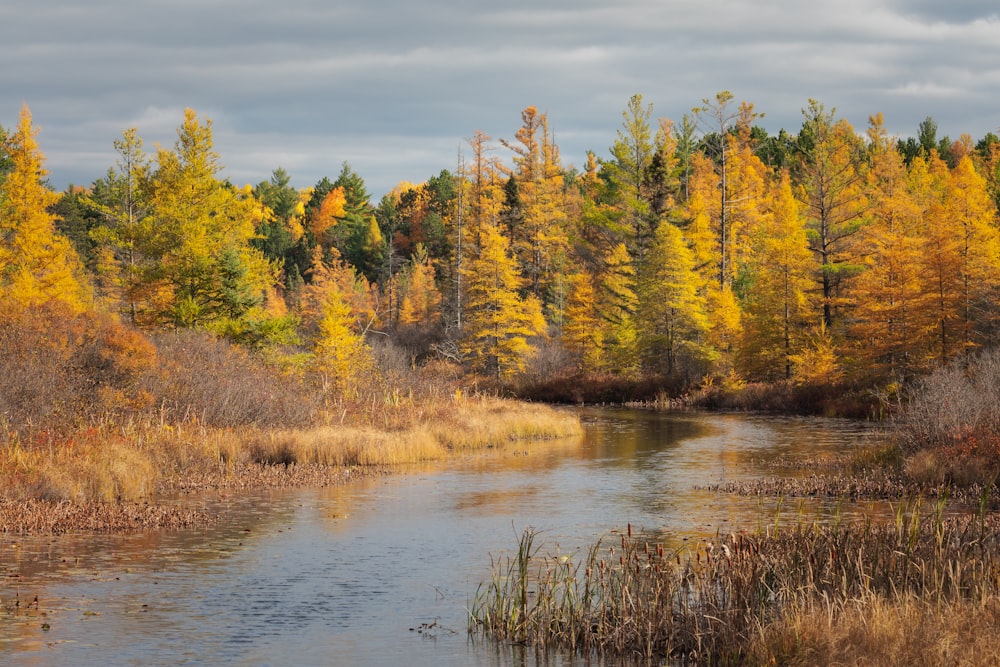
(699, 253)
(166, 331)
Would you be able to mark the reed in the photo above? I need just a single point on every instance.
(743, 598)
(129, 460)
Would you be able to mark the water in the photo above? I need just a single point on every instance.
(380, 572)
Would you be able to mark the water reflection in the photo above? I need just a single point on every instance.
(382, 570)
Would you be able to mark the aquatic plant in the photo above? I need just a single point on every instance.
(740, 598)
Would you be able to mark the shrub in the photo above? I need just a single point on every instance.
(218, 384)
(956, 401)
(62, 368)
(949, 424)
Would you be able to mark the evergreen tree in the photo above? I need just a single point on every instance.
(37, 264)
(498, 323)
(673, 325)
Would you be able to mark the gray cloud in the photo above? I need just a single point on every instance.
(395, 87)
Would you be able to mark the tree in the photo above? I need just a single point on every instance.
(340, 353)
(279, 225)
(832, 192)
(617, 303)
(122, 198)
(888, 295)
(421, 300)
(498, 321)
(959, 255)
(774, 308)
(352, 287)
(199, 242)
(627, 176)
(729, 133)
(673, 325)
(37, 264)
(582, 331)
(536, 205)
(353, 236)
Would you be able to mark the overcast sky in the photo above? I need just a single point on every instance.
(396, 87)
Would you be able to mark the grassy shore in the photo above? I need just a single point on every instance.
(923, 590)
(920, 589)
(127, 465)
(98, 419)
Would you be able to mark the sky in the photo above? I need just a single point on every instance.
(396, 88)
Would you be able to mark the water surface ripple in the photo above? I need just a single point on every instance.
(380, 572)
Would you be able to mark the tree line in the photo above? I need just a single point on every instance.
(704, 248)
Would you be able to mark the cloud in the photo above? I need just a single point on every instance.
(395, 87)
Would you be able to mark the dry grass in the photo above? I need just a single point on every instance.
(345, 446)
(128, 462)
(427, 431)
(808, 595)
(877, 632)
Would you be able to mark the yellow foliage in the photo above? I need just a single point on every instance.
(37, 264)
(498, 322)
(329, 213)
(581, 333)
(818, 363)
(340, 354)
(421, 300)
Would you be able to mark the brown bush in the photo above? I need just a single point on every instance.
(949, 424)
(953, 403)
(218, 384)
(62, 368)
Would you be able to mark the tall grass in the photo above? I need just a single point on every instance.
(745, 598)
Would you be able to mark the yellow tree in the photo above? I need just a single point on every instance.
(832, 191)
(974, 212)
(775, 308)
(538, 233)
(421, 301)
(617, 303)
(350, 286)
(37, 264)
(888, 296)
(206, 271)
(582, 331)
(673, 326)
(498, 322)
(939, 259)
(324, 219)
(738, 171)
(340, 354)
(480, 201)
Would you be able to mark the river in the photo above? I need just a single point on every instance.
(380, 572)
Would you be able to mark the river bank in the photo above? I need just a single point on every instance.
(109, 479)
(347, 570)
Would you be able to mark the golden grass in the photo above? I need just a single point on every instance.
(485, 422)
(126, 462)
(345, 446)
(880, 632)
(113, 470)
